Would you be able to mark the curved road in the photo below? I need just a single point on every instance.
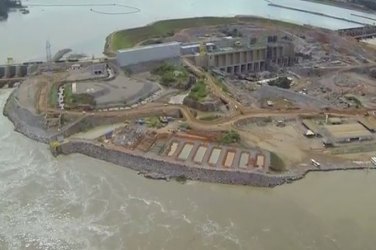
(237, 110)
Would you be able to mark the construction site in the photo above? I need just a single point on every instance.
(245, 97)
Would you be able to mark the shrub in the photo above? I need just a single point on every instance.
(281, 82)
(230, 137)
(199, 91)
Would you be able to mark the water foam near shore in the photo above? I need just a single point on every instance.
(76, 202)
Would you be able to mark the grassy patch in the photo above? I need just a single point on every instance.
(130, 37)
(229, 137)
(53, 96)
(153, 122)
(209, 118)
(281, 82)
(276, 163)
(74, 101)
(184, 126)
(221, 85)
(151, 33)
(355, 100)
(199, 91)
(172, 75)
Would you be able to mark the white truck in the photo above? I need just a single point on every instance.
(315, 163)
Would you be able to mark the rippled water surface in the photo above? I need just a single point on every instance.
(76, 202)
(84, 28)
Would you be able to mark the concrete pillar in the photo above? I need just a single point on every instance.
(228, 62)
(2, 72)
(10, 71)
(243, 68)
(249, 67)
(262, 66)
(22, 70)
(222, 60)
(256, 67)
(239, 58)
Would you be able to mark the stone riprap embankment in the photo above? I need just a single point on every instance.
(25, 121)
(168, 169)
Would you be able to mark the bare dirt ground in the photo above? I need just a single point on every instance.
(288, 142)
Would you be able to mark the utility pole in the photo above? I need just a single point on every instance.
(48, 55)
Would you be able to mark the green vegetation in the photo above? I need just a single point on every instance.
(223, 86)
(276, 163)
(77, 100)
(172, 75)
(131, 37)
(281, 82)
(153, 122)
(229, 137)
(184, 126)
(85, 125)
(52, 97)
(209, 118)
(355, 100)
(55, 147)
(199, 91)
(232, 32)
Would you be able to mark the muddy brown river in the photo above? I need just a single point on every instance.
(76, 202)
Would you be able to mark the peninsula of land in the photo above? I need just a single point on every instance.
(239, 100)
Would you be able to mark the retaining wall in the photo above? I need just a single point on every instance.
(170, 170)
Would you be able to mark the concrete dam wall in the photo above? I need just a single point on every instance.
(14, 71)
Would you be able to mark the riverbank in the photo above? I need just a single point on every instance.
(166, 170)
(25, 121)
(28, 124)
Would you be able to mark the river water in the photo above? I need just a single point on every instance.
(23, 37)
(75, 202)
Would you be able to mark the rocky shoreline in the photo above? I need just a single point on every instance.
(24, 121)
(29, 124)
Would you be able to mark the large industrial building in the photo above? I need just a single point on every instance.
(230, 55)
(147, 54)
(242, 55)
(346, 133)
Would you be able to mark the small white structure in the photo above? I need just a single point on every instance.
(315, 163)
(373, 160)
(309, 133)
(74, 88)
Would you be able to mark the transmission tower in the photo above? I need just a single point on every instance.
(48, 55)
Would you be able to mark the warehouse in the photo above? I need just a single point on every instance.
(147, 54)
(347, 133)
